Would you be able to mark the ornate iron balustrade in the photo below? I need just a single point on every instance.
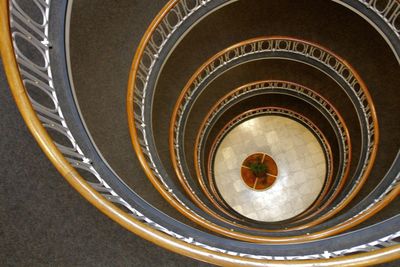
(260, 112)
(274, 87)
(288, 49)
(125, 214)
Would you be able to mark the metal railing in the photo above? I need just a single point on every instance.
(275, 87)
(262, 111)
(136, 216)
(288, 49)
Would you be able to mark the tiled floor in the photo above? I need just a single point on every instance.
(301, 168)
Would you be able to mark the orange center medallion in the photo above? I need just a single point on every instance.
(259, 171)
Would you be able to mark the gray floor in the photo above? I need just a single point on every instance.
(44, 222)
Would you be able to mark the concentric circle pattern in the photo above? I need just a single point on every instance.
(256, 133)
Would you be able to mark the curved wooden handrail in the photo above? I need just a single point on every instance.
(121, 217)
(195, 217)
(219, 203)
(227, 127)
(234, 92)
(329, 214)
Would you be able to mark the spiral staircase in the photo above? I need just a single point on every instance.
(151, 112)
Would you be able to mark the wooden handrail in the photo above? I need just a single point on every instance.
(195, 217)
(234, 92)
(348, 224)
(226, 128)
(121, 217)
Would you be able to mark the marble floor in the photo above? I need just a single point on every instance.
(298, 155)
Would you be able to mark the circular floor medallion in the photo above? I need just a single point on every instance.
(259, 171)
(300, 168)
